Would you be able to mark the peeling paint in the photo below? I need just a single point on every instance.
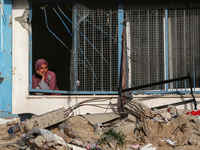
(10, 21)
(13, 70)
(23, 20)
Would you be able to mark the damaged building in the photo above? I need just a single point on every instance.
(127, 72)
(98, 49)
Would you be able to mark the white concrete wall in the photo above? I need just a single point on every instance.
(20, 61)
(22, 102)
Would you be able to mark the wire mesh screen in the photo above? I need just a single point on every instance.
(95, 48)
(184, 54)
(145, 41)
(150, 60)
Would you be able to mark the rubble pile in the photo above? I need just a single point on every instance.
(136, 127)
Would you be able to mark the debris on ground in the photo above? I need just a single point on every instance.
(136, 127)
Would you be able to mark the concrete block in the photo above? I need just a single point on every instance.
(44, 120)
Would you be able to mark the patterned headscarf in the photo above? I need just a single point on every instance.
(39, 63)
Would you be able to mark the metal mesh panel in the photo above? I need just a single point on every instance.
(184, 34)
(95, 48)
(145, 43)
(150, 60)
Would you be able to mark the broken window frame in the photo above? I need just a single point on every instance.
(120, 29)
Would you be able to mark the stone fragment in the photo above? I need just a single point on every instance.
(63, 125)
(193, 140)
(166, 115)
(162, 143)
(76, 142)
(126, 129)
(61, 147)
(68, 133)
(39, 141)
(61, 134)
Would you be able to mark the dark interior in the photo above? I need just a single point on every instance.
(46, 46)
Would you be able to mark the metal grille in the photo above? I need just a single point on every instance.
(95, 48)
(150, 60)
(184, 54)
(146, 45)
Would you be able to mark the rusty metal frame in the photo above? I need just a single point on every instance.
(164, 82)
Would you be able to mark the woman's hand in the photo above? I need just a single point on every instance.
(41, 74)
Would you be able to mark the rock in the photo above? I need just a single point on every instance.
(162, 143)
(76, 142)
(166, 115)
(126, 129)
(39, 141)
(193, 140)
(68, 133)
(61, 147)
(63, 125)
(61, 134)
(196, 119)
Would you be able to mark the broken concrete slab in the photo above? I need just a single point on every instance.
(100, 118)
(44, 120)
(131, 117)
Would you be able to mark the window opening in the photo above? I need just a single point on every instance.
(80, 49)
(91, 58)
(44, 43)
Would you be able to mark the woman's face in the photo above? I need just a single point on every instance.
(43, 69)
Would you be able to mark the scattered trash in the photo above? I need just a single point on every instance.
(135, 146)
(194, 113)
(163, 129)
(148, 147)
(170, 142)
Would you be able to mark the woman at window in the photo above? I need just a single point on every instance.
(43, 78)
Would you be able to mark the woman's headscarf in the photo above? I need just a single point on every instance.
(39, 63)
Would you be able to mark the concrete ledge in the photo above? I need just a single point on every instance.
(69, 96)
(108, 96)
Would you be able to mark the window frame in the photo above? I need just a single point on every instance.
(120, 31)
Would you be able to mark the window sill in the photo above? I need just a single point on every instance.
(69, 96)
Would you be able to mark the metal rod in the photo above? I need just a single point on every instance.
(153, 84)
